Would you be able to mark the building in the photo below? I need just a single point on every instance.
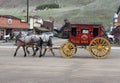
(39, 25)
(116, 19)
(9, 24)
(34, 22)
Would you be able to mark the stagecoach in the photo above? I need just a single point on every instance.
(89, 36)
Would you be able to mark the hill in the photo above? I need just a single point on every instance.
(93, 11)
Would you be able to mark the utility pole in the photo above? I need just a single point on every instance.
(27, 11)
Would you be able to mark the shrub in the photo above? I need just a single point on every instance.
(44, 6)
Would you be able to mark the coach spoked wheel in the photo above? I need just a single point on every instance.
(68, 49)
(100, 47)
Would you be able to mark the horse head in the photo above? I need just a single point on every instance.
(18, 35)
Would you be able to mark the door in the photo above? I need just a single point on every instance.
(73, 35)
(8, 31)
(84, 36)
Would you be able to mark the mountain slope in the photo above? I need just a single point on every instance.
(95, 11)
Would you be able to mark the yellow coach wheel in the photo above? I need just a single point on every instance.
(68, 49)
(100, 47)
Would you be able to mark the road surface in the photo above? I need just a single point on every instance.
(82, 68)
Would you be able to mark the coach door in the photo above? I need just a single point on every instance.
(84, 35)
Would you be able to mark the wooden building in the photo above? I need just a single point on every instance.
(39, 25)
(9, 24)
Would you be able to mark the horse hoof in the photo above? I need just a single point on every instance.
(14, 55)
(24, 55)
(33, 55)
(40, 56)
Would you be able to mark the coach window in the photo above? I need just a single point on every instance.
(85, 31)
(73, 31)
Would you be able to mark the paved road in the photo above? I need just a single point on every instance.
(82, 68)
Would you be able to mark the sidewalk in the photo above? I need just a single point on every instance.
(9, 43)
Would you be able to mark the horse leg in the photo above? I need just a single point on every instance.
(16, 51)
(35, 51)
(24, 51)
(40, 51)
(52, 51)
(44, 51)
(50, 46)
(27, 50)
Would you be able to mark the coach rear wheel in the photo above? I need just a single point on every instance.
(100, 47)
(68, 49)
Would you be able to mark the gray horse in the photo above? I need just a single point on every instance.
(46, 44)
(23, 40)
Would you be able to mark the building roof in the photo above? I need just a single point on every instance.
(9, 16)
(8, 21)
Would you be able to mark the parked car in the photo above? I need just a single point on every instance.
(51, 34)
(6, 37)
